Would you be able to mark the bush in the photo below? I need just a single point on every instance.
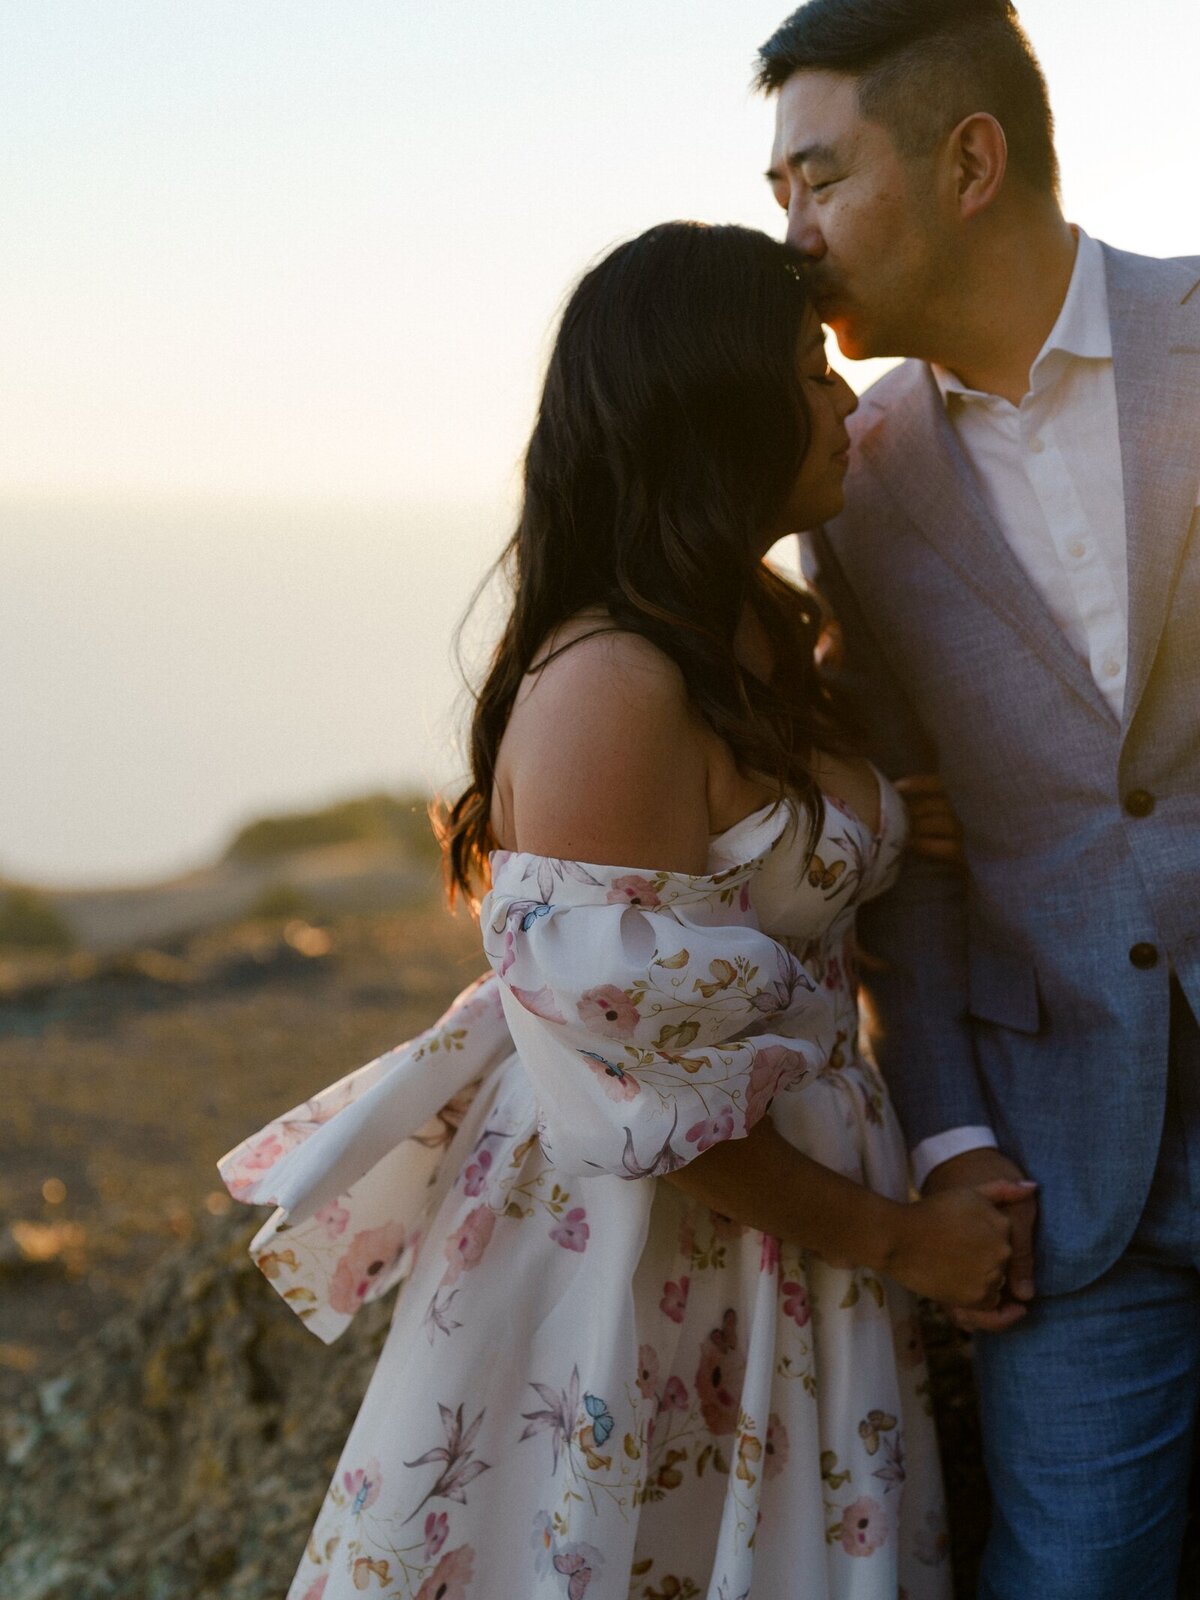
(28, 921)
(400, 820)
(281, 902)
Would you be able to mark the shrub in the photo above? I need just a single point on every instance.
(29, 921)
(401, 820)
(281, 902)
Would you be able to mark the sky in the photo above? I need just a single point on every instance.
(277, 284)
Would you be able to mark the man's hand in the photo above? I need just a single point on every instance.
(934, 828)
(972, 1168)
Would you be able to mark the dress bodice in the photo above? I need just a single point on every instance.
(807, 902)
(800, 898)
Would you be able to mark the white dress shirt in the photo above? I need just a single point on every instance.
(1050, 472)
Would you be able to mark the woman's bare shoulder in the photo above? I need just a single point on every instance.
(604, 758)
(591, 653)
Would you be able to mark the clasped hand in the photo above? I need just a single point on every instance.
(979, 1211)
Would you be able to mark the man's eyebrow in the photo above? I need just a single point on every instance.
(808, 152)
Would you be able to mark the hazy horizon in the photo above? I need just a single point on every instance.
(191, 665)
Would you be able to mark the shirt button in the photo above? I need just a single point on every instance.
(1144, 956)
(1139, 802)
(1112, 667)
(1036, 446)
(1078, 548)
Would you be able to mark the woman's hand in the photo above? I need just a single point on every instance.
(955, 1246)
(935, 830)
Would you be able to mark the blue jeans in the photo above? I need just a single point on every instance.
(1089, 1404)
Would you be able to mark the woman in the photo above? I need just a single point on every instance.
(703, 1386)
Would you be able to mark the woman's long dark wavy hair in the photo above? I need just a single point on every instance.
(672, 427)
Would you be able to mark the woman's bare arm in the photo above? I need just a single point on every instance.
(954, 1251)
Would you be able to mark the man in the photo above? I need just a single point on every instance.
(1017, 576)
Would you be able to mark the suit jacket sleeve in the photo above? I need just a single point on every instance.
(917, 1009)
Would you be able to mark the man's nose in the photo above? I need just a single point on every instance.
(803, 234)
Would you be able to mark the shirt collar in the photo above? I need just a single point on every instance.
(1082, 328)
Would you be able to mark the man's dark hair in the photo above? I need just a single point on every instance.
(924, 65)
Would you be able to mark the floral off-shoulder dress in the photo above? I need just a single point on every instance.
(592, 1386)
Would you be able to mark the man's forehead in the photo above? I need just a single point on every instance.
(815, 112)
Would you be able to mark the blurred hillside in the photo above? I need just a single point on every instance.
(364, 855)
(145, 1031)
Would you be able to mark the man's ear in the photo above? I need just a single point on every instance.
(976, 156)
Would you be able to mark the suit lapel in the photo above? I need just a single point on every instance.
(1155, 317)
(923, 467)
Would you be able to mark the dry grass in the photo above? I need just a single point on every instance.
(119, 1094)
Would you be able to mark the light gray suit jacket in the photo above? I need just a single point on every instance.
(1011, 998)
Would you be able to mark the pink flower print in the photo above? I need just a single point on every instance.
(795, 1303)
(674, 1395)
(609, 1011)
(647, 1378)
(316, 1589)
(720, 1375)
(674, 1299)
(864, 1527)
(510, 952)
(362, 1486)
(776, 1447)
(261, 1157)
(833, 974)
(263, 1154)
(633, 890)
(476, 1173)
(910, 1348)
(540, 1002)
(572, 1232)
(334, 1219)
(437, 1526)
(449, 1579)
(744, 898)
(614, 1080)
(711, 1130)
(465, 1246)
(365, 1264)
(768, 1256)
(774, 1066)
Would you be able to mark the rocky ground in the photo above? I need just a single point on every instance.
(166, 1431)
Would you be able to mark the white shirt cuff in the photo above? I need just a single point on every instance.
(941, 1147)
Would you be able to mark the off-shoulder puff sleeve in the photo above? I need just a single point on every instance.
(652, 1015)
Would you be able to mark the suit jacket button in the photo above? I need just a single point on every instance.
(1144, 956)
(1139, 802)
